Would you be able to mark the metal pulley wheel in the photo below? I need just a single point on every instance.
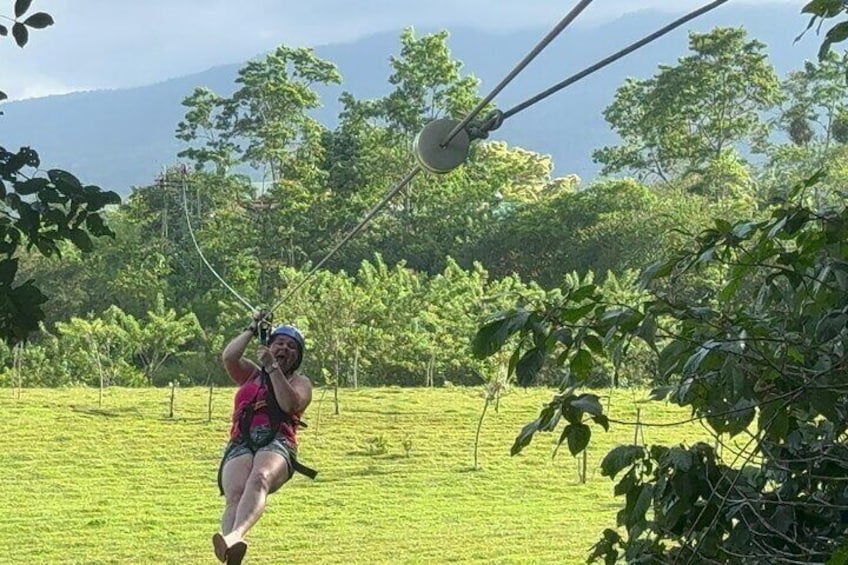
(432, 152)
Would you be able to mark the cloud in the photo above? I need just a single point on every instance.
(115, 44)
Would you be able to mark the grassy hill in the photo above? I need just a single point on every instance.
(126, 483)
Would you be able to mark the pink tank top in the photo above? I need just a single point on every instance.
(253, 389)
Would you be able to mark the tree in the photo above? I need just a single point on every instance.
(765, 366)
(813, 116)
(159, 337)
(815, 107)
(822, 10)
(432, 216)
(38, 212)
(693, 113)
(266, 125)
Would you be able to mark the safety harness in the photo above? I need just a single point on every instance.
(277, 416)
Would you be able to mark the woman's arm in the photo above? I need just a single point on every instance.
(239, 368)
(293, 395)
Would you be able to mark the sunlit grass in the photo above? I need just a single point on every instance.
(123, 483)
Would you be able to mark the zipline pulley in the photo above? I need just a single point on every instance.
(432, 152)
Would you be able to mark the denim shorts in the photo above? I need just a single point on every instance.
(238, 447)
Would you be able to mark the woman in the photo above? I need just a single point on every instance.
(260, 456)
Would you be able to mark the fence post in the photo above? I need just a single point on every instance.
(173, 395)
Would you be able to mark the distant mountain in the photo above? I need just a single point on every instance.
(122, 138)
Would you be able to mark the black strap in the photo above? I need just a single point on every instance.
(277, 417)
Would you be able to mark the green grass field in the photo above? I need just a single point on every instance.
(127, 484)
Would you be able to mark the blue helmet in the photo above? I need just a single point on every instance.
(294, 333)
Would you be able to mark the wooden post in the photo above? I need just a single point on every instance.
(209, 406)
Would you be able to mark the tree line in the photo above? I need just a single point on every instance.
(718, 134)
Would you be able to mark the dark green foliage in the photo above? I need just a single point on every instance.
(759, 356)
(38, 213)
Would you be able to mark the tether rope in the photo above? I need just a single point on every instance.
(203, 257)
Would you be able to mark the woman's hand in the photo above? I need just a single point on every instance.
(264, 356)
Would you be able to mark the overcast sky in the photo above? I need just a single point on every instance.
(123, 43)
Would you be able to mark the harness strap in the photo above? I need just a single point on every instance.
(278, 417)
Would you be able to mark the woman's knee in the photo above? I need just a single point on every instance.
(233, 493)
(265, 479)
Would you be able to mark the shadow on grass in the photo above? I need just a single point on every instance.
(371, 471)
(105, 412)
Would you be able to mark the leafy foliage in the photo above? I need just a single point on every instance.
(677, 122)
(761, 356)
(37, 212)
(821, 10)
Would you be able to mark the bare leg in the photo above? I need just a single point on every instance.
(234, 476)
(270, 471)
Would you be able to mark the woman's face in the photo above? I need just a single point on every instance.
(284, 349)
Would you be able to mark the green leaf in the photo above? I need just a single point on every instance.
(578, 437)
(627, 482)
(492, 336)
(95, 225)
(672, 357)
(825, 403)
(697, 358)
(823, 8)
(573, 315)
(81, 240)
(620, 458)
(65, 182)
(643, 502)
(21, 6)
(8, 270)
(679, 459)
(602, 421)
(525, 436)
(584, 292)
(774, 419)
(39, 20)
(648, 331)
(528, 366)
(657, 271)
(20, 33)
(836, 34)
(594, 343)
(840, 556)
(31, 186)
(831, 326)
(588, 403)
(581, 364)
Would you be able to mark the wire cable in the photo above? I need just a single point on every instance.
(493, 124)
(564, 23)
(359, 227)
(612, 58)
(203, 257)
